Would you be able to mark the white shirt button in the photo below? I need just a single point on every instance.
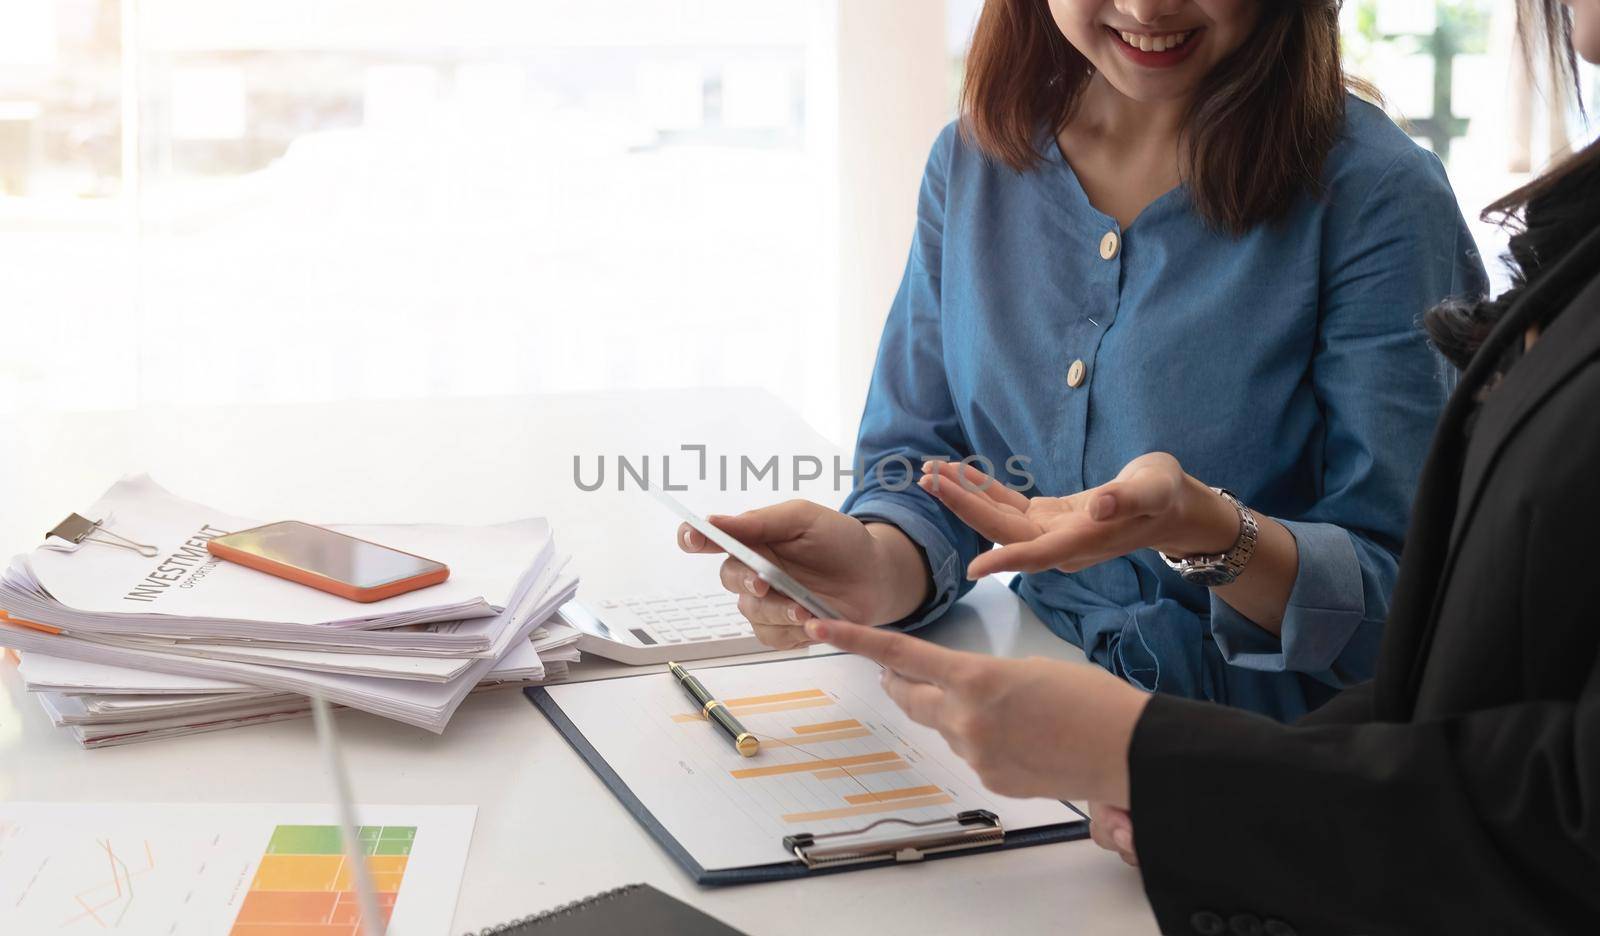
(1110, 245)
(1076, 373)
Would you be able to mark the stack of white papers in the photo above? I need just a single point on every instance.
(123, 647)
(104, 706)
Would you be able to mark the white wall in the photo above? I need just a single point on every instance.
(471, 250)
(894, 98)
(488, 24)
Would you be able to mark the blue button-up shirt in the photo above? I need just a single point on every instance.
(1286, 365)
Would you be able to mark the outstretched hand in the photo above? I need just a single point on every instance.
(1151, 503)
(1032, 727)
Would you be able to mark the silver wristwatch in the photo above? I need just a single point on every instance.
(1212, 571)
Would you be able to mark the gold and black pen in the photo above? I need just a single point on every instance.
(743, 741)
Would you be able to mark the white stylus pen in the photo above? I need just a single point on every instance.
(372, 924)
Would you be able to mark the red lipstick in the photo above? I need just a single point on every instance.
(1164, 59)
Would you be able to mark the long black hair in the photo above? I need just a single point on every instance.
(1545, 217)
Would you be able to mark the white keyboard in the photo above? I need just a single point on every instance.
(657, 628)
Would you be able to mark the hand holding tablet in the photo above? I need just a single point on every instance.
(766, 569)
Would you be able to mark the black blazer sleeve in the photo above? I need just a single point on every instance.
(1428, 822)
(1351, 705)
(1471, 820)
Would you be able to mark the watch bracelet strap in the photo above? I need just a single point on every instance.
(1249, 535)
(1238, 555)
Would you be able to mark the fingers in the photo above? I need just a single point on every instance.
(776, 524)
(905, 655)
(757, 601)
(922, 702)
(1055, 548)
(1099, 831)
(741, 580)
(995, 521)
(690, 540)
(1123, 839)
(773, 611)
(786, 637)
(943, 474)
(1112, 829)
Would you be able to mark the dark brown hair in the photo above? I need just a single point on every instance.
(1545, 217)
(1256, 136)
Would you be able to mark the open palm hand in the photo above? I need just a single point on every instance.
(1141, 507)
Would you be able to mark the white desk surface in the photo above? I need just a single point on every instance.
(548, 831)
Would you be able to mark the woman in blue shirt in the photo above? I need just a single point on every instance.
(1164, 253)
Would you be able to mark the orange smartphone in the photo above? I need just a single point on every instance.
(332, 562)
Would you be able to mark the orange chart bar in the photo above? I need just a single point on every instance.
(836, 773)
(883, 796)
(825, 736)
(827, 726)
(779, 706)
(877, 757)
(867, 808)
(776, 697)
(686, 717)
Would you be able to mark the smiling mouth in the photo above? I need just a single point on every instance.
(1158, 42)
(1156, 50)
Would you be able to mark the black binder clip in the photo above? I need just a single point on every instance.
(78, 529)
(973, 828)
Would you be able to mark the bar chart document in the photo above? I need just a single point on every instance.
(836, 755)
(240, 870)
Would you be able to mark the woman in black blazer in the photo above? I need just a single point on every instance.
(1457, 792)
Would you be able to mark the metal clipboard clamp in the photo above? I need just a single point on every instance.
(974, 828)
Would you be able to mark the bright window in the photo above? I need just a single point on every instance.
(213, 201)
(1452, 73)
(252, 201)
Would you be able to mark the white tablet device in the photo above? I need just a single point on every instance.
(758, 563)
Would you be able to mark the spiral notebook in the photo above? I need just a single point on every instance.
(635, 908)
(843, 779)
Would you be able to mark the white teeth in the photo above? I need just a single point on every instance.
(1156, 43)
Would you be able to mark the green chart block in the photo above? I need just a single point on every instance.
(396, 840)
(325, 840)
(305, 840)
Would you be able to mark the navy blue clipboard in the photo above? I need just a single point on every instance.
(780, 871)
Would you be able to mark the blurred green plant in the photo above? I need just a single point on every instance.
(1461, 28)
(1463, 24)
